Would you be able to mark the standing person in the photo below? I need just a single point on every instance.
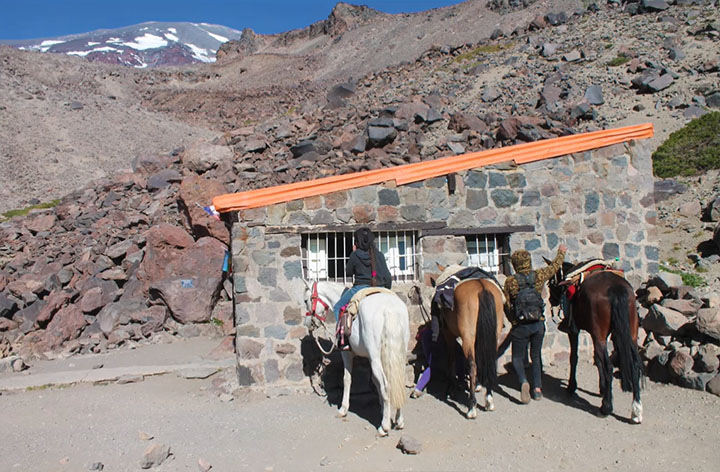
(367, 266)
(525, 309)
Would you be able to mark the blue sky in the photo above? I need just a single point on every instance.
(25, 19)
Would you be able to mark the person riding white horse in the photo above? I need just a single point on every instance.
(380, 332)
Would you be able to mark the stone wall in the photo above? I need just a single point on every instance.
(600, 203)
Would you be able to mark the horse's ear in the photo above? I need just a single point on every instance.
(441, 268)
(432, 282)
(547, 261)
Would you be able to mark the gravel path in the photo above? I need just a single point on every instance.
(67, 429)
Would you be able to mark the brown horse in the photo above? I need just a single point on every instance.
(604, 305)
(477, 318)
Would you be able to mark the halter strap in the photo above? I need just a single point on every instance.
(315, 299)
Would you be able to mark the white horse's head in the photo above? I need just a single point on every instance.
(317, 308)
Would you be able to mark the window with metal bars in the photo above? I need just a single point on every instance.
(325, 255)
(488, 251)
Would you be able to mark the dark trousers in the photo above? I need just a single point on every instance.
(522, 335)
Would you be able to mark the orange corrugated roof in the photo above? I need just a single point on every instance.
(520, 153)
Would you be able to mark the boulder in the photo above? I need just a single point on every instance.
(708, 323)
(714, 385)
(66, 325)
(118, 313)
(165, 243)
(195, 193)
(202, 156)
(594, 95)
(707, 358)
(681, 364)
(461, 121)
(663, 321)
(192, 282)
(54, 301)
(7, 305)
(39, 223)
(686, 307)
(379, 136)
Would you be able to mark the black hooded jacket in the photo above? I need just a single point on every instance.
(359, 267)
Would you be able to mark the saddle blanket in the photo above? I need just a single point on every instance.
(453, 276)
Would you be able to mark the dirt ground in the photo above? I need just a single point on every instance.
(68, 429)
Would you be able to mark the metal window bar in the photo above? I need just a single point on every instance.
(325, 254)
(487, 251)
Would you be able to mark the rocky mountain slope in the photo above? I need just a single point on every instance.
(134, 155)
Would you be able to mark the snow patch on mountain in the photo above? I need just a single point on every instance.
(145, 45)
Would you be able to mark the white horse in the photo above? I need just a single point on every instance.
(380, 332)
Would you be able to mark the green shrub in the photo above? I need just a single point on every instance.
(691, 150)
(618, 61)
(688, 278)
(24, 211)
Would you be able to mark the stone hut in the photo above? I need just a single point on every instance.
(599, 201)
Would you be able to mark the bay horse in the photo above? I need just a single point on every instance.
(477, 318)
(380, 332)
(604, 305)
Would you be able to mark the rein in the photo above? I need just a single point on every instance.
(423, 311)
(314, 300)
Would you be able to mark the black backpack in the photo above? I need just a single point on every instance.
(529, 305)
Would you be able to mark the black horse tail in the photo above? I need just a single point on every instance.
(486, 341)
(631, 366)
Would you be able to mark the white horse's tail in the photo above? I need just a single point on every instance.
(393, 355)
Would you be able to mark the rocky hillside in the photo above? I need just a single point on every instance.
(134, 155)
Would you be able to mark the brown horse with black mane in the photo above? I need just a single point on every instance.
(477, 318)
(603, 305)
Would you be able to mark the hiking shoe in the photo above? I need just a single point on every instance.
(536, 394)
(525, 393)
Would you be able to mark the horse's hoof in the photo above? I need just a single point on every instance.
(399, 425)
(637, 412)
(416, 394)
(603, 412)
(382, 432)
(472, 414)
(489, 405)
(342, 413)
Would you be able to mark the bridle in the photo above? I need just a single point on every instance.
(319, 321)
(314, 300)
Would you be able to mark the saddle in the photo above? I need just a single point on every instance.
(348, 314)
(580, 272)
(455, 275)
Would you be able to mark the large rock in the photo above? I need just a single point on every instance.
(714, 385)
(54, 301)
(66, 325)
(686, 307)
(681, 364)
(165, 243)
(663, 321)
(197, 192)
(41, 223)
(192, 282)
(708, 323)
(707, 358)
(202, 156)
